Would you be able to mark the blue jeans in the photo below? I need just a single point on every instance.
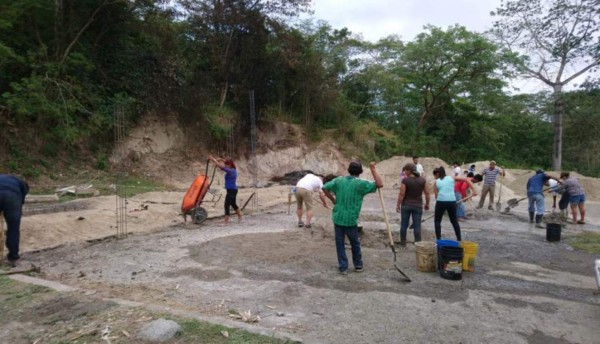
(536, 203)
(340, 237)
(405, 213)
(460, 207)
(11, 204)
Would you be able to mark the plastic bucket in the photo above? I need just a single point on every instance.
(553, 231)
(441, 243)
(469, 255)
(426, 256)
(450, 260)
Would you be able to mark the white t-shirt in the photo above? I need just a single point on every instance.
(310, 182)
(457, 171)
(420, 170)
(552, 183)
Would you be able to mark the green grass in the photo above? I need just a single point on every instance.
(58, 318)
(586, 241)
(105, 183)
(194, 331)
(15, 296)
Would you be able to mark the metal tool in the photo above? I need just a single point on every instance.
(389, 232)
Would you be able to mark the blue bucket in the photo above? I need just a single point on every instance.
(441, 243)
(444, 242)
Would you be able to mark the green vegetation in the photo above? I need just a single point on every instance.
(52, 317)
(587, 241)
(442, 94)
(194, 331)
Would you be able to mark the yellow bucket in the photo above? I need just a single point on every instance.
(426, 256)
(469, 254)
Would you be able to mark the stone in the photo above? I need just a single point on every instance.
(159, 330)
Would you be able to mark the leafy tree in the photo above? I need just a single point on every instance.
(556, 36)
(440, 66)
(582, 124)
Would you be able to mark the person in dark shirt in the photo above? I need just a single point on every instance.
(410, 202)
(12, 196)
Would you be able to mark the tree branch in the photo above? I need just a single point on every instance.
(82, 30)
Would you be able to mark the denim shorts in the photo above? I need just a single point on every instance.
(577, 199)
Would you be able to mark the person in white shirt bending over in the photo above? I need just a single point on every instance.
(304, 191)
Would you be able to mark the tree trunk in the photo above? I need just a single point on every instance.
(558, 128)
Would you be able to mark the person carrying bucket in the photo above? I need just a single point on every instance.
(410, 202)
(446, 200)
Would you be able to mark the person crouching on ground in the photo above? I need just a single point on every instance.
(231, 174)
(349, 193)
(304, 195)
(576, 196)
(12, 197)
(535, 196)
(410, 202)
(446, 200)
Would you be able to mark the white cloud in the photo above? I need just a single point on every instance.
(375, 19)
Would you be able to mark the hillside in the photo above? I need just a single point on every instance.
(160, 150)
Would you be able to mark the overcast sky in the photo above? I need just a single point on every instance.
(375, 19)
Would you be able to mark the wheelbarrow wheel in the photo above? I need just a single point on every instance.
(199, 215)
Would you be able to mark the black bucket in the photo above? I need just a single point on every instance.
(553, 231)
(450, 262)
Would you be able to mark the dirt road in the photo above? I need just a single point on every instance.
(525, 290)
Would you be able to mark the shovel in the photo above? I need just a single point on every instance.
(498, 204)
(432, 215)
(513, 202)
(389, 232)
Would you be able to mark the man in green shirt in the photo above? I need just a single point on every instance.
(349, 193)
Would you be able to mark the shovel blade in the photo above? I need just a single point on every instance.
(406, 278)
(512, 202)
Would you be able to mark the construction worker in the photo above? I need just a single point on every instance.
(349, 193)
(231, 174)
(535, 195)
(304, 191)
(489, 183)
(12, 197)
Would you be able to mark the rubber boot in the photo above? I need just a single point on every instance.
(531, 213)
(538, 221)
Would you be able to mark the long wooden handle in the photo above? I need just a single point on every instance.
(387, 223)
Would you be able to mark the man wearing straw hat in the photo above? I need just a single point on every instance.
(12, 196)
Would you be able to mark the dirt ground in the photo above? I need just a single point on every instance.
(524, 289)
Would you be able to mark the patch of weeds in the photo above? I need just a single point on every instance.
(586, 241)
(15, 296)
(102, 162)
(194, 331)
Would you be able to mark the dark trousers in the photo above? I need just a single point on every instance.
(230, 201)
(11, 204)
(450, 208)
(406, 211)
(340, 238)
